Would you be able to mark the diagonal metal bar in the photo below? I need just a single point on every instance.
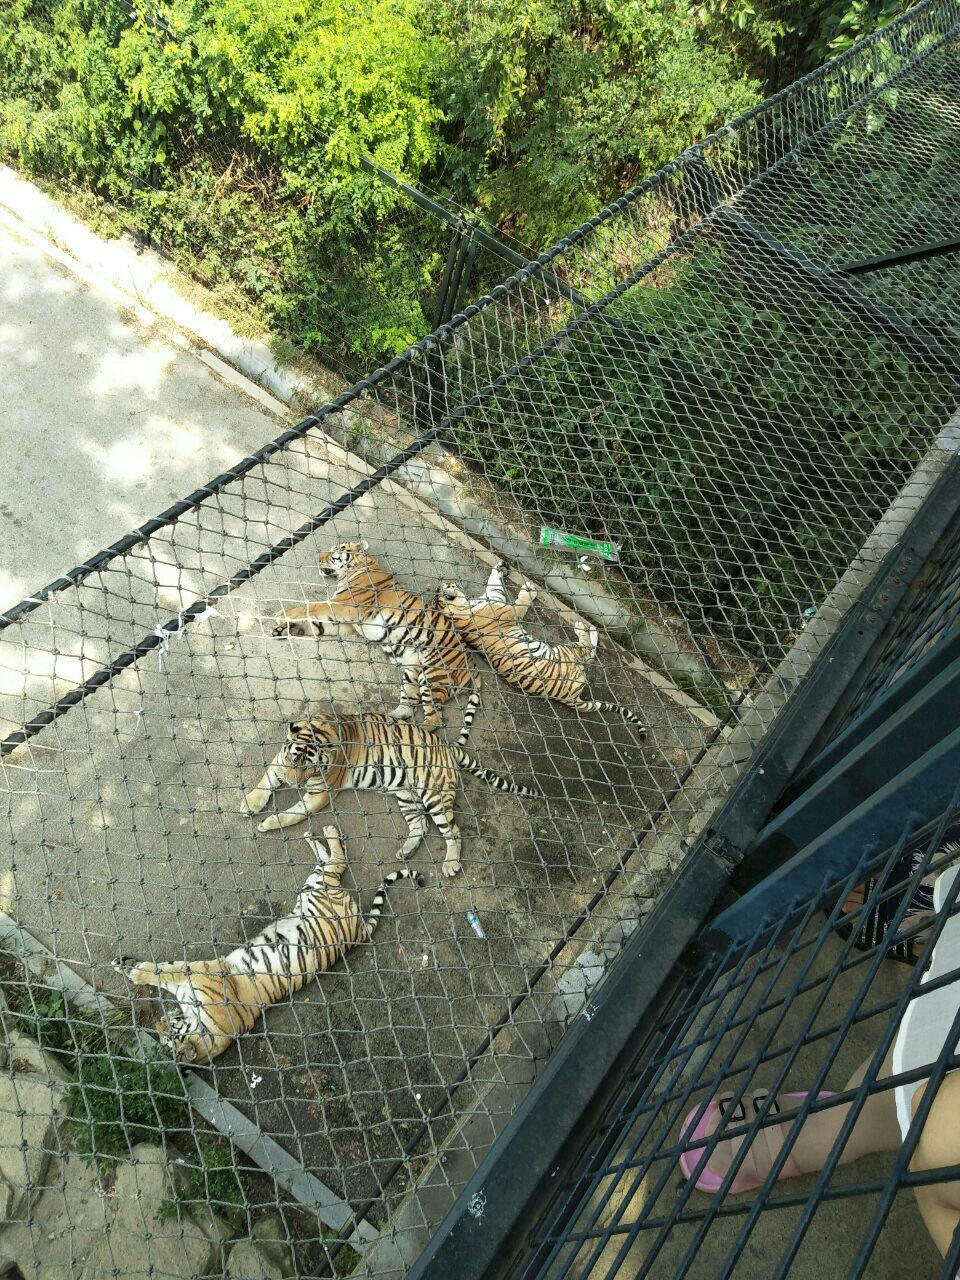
(939, 249)
(839, 291)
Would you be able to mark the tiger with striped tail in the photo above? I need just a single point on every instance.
(413, 635)
(371, 752)
(494, 626)
(222, 998)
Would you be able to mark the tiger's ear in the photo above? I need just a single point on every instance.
(364, 545)
(294, 728)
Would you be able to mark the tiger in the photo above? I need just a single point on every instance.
(494, 626)
(411, 634)
(371, 752)
(222, 998)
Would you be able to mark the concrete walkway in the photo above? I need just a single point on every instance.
(105, 419)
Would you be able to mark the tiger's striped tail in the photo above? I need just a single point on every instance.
(379, 898)
(611, 706)
(493, 779)
(469, 711)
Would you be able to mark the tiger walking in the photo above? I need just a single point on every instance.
(413, 635)
(493, 626)
(220, 999)
(371, 752)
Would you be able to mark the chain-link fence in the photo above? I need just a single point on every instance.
(687, 377)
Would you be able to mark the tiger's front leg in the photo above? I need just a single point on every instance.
(272, 780)
(525, 598)
(312, 802)
(308, 620)
(409, 695)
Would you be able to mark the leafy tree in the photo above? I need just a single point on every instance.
(554, 107)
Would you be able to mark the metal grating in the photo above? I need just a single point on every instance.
(793, 1006)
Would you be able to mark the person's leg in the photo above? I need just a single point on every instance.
(876, 1129)
(938, 1148)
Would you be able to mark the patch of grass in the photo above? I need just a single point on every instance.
(117, 1099)
(710, 694)
(347, 1259)
(213, 1181)
(43, 1016)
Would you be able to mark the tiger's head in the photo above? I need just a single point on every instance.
(344, 559)
(311, 746)
(190, 1046)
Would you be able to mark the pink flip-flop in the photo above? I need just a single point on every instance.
(744, 1181)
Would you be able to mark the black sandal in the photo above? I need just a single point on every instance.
(872, 926)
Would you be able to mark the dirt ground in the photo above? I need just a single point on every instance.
(129, 841)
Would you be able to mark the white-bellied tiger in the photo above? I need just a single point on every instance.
(220, 999)
(371, 752)
(412, 634)
(493, 626)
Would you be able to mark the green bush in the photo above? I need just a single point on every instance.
(117, 1100)
(213, 1181)
(738, 436)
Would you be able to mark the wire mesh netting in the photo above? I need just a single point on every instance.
(812, 1042)
(671, 379)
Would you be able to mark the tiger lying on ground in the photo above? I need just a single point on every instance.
(220, 999)
(494, 626)
(412, 634)
(371, 752)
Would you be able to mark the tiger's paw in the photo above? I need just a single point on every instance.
(403, 712)
(531, 591)
(278, 820)
(284, 626)
(253, 802)
(451, 867)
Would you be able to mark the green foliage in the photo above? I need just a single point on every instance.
(43, 1016)
(783, 39)
(569, 101)
(725, 452)
(212, 1181)
(117, 1100)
